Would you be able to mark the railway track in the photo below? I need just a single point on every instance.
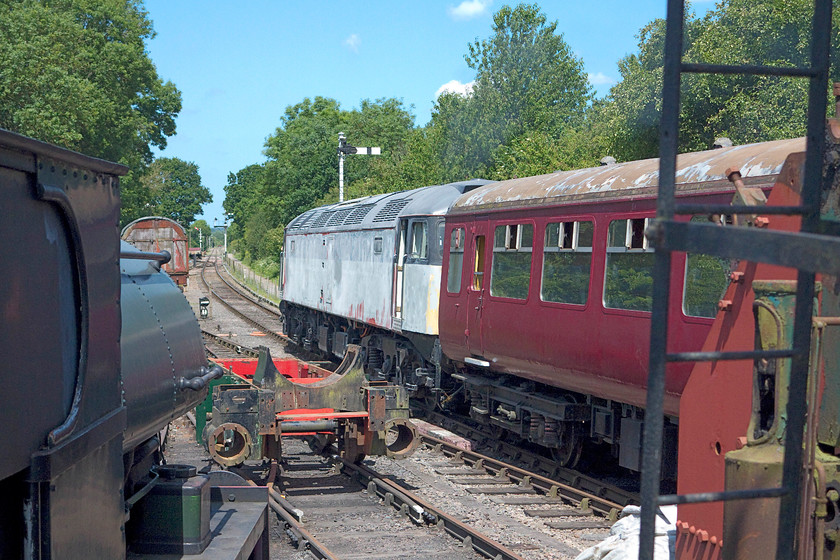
(258, 314)
(222, 347)
(560, 499)
(334, 509)
(613, 496)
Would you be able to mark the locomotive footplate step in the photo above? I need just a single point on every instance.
(558, 512)
(526, 500)
(498, 490)
(568, 525)
(472, 480)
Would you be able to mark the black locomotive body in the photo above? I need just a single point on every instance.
(100, 351)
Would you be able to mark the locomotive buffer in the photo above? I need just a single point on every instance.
(343, 149)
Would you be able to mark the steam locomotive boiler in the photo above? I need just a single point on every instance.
(101, 352)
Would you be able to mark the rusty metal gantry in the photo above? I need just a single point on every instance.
(816, 248)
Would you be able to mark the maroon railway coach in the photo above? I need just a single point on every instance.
(546, 294)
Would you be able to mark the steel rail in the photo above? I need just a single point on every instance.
(418, 508)
(224, 342)
(238, 287)
(265, 302)
(611, 496)
(305, 539)
(291, 517)
(240, 314)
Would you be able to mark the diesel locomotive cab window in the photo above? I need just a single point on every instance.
(456, 261)
(419, 241)
(629, 282)
(567, 260)
(511, 272)
(706, 280)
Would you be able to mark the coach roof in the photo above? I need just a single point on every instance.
(632, 179)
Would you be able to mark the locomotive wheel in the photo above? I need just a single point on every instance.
(430, 401)
(319, 443)
(499, 433)
(568, 451)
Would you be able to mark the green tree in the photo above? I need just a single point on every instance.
(243, 191)
(174, 190)
(744, 108)
(76, 73)
(528, 74)
(205, 233)
(537, 153)
(527, 81)
(302, 159)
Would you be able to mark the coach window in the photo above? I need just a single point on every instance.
(437, 227)
(629, 283)
(567, 260)
(511, 269)
(706, 280)
(419, 241)
(456, 261)
(377, 245)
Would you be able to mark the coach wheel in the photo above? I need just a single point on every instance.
(569, 446)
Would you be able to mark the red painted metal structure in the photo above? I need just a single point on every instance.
(298, 372)
(716, 402)
(155, 234)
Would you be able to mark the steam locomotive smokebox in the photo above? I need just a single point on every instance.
(174, 518)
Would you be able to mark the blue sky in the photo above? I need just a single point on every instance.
(240, 64)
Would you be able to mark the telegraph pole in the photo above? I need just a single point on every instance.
(343, 149)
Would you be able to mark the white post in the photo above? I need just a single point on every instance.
(341, 157)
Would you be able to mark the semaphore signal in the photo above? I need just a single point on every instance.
(343, 149)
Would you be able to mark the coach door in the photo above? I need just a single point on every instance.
(476, 293)
(399, 266)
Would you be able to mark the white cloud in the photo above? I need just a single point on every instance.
(600, 79)
(352, 42)
(454, 86)
(469, 9)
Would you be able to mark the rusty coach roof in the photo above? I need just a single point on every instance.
(631, 178)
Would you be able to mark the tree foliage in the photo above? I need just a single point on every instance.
(744, 108)
(531, 111)
(529, 89)
(171, 188)
(301, 170)
(76, 73)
